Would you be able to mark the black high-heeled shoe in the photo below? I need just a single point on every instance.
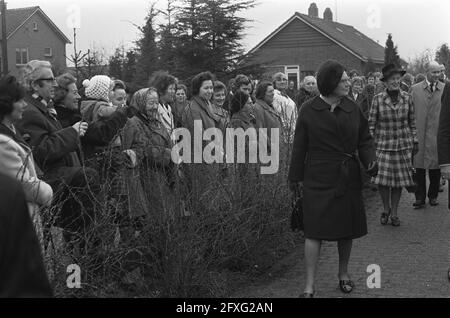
(307, 295)
(384, 219)
(346, 286)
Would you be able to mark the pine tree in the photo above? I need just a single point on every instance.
(129, 66)
(390, 52)
(147, 49)
(116, 64)
(443, 57)
(166, 44)
(209, 34)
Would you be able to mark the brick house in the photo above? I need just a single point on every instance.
(303, 42)
(32, 35)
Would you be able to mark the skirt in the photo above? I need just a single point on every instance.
(395, 168)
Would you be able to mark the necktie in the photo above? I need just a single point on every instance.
(432, 87)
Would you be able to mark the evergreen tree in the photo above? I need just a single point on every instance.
(147, 49)
(116, 64)
(443, 57)
(166, 45)
(209, 34)
(129, 66)
(390, 53)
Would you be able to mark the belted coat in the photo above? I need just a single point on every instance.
(327, 150)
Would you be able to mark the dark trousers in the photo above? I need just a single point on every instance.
(433, 190)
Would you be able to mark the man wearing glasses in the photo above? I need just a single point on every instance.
(54, 150)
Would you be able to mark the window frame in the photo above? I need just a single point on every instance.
(21, 51)
(51, 52)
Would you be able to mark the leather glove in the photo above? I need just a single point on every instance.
(372, 170)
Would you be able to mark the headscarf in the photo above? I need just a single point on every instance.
(139, 101)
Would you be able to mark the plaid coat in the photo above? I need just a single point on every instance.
(393, 127)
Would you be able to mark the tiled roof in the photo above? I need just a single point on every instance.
(16, 17)
(349, 37)
(344, 35)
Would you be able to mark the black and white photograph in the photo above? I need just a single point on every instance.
(239, 152)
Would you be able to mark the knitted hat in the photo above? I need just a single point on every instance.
(98, 87)
(329, 76)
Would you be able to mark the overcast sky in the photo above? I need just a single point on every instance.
(416, 25)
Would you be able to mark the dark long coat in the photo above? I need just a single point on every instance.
(22, 271)
(324, 157)
(54, 148)
(443, 137)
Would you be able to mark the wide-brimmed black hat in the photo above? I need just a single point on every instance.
(390, 70)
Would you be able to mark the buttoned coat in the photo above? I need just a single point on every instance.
(54, 148)
(323, 157)
(444, 128)
(427, 107)
(393, 127)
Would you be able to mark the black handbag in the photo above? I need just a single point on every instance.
(297, 215)
(413, 188)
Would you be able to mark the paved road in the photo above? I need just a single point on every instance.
(413, 258)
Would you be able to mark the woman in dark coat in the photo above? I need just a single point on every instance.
(146, 136)
(331, 134)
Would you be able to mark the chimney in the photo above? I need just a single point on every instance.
(328, 15)
(313, 12)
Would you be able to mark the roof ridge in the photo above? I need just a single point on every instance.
(327, 21)
(24, 8)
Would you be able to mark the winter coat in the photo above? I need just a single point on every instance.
(67, 117)
(325, 151)
(287, 109)
(223, 114)
(443, 139)
(362, 101)
(267, 117)
(427, 107)
(393, 127)
(177, 112)
(98, 135)
(16, 160)
(54, 148)
(22, 271)
(150, 182)
(303, 96)
(94, 110)
(166, 117)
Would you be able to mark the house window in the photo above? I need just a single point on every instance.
(293, 74)
(21, 56)
(35, 26)
(48, 52)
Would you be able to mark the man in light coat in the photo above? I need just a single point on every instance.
(426, 97)
(285, 106)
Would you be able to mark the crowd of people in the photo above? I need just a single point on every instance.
(62, 142)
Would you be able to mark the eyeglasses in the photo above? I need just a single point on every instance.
(50, 79)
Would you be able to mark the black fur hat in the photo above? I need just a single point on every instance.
(329, 76)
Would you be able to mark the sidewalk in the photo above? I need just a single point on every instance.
(414, 258)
